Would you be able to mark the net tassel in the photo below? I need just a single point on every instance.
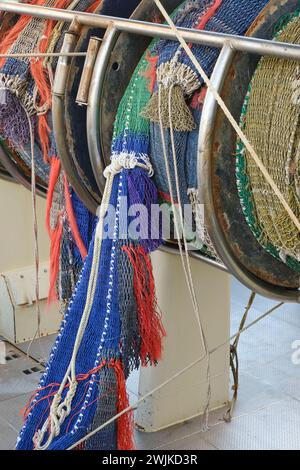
(141, 190)
(125, 430)
(55, 233)
(151, 328)
(183, 81)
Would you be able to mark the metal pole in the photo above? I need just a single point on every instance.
(239, 43)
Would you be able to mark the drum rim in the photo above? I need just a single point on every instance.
(17, 175)
(61, 130)
(207, 179)
(100, 78)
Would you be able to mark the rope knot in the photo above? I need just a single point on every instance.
(127, 162)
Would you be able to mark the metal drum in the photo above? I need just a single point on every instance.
(112, 72)
(12, 167)
(69, 118)
(240, 251)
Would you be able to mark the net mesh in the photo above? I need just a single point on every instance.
(271, 123)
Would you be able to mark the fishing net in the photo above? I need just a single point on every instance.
(271, 123)
(25, 96)
(179, 85)
(112, 324)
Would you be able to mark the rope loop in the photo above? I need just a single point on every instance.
(128, 162)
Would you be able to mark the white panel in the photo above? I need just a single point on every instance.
(18, 320)
(16, 234)
(27, 321)
(21, 283)
(185, 397)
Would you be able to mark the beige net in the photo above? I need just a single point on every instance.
(272, 126)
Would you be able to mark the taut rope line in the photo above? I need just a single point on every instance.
(43, 54)
(35, 236)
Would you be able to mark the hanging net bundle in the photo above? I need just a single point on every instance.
(100, 267)
(112, 324)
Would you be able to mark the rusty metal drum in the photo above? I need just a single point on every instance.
(69, 118)
(114, 67)
(239, 249)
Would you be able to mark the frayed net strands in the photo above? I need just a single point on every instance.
(263, 114)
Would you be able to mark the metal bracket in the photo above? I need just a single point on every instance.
(86, 77)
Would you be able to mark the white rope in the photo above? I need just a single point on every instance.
(194, 302)
(127, 161)
(184, 256)
(37, 333)
(197, 310)
(60, 410)
(229, 116)
(174, 377)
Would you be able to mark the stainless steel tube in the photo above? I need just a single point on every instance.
(240, 43)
